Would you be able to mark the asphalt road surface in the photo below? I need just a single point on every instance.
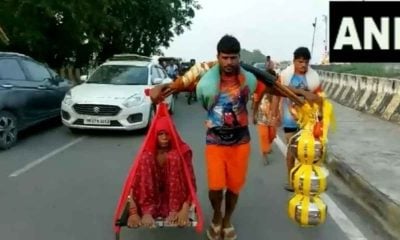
(57, 185)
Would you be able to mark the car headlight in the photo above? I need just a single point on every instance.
(68, 99)
(133, 100)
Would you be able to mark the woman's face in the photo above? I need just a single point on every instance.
(163, 139)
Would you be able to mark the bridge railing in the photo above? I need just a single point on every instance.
(375, 95)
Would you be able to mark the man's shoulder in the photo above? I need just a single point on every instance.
(286, 75)
(313, 80)
(312, 75)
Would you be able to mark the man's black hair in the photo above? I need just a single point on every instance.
(229, 45)
(302, 52)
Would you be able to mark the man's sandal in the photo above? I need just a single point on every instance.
(229, 233)
(214, 232)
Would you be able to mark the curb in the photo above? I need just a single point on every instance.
(378, 205)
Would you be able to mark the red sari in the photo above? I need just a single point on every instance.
(160, 190)
(185, 175)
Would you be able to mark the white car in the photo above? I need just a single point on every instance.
(113, 97)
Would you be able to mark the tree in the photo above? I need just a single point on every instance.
(75, 32)
(252, 57)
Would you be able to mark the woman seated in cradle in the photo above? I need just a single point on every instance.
(160, 188)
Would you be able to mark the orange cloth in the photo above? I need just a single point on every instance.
(260, 89)
(227, 166)
(189, 80)
(266, 136)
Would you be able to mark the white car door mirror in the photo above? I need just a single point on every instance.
(83, 78)
(157, 80)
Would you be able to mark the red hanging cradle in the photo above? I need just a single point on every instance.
(121, 213)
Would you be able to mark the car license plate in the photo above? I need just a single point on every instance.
(94, 121)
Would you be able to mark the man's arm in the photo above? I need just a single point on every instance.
(275, 110)
(293, 93)
(187, 82)
(310, 96)
(256, 104)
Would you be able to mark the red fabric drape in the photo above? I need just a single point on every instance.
(149, 144)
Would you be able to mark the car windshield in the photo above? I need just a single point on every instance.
(120, 75)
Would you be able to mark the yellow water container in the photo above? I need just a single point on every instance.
(307, 211)
(309, 180)
(306, 148)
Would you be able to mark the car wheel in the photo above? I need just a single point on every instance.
(8, 130)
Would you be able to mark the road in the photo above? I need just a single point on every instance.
(56, 185)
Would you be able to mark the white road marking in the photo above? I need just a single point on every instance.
(44, 158)
(347, 226)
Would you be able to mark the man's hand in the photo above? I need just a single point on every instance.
(275, 122)
(311, 97)
(208, 124)
(159, 93)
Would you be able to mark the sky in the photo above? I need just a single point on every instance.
(276, 27)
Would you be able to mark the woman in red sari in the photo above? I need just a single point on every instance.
(160, 188)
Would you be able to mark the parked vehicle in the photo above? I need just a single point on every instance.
(30, 93)
(113, 97)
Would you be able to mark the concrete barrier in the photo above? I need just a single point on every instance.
(374, 95)
(380, 97)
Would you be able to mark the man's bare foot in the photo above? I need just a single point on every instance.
(148, 221)
(183, 215)
(134, 221)
(172, 218)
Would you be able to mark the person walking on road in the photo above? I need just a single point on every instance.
(270, 66)
(303, 78)
(266, 123)
(223, 88)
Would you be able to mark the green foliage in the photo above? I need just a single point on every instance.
(252, 57)
(75, 32)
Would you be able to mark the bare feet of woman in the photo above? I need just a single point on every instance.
(134, 221)
(148, 221)
(183, 215)
(172, 218)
